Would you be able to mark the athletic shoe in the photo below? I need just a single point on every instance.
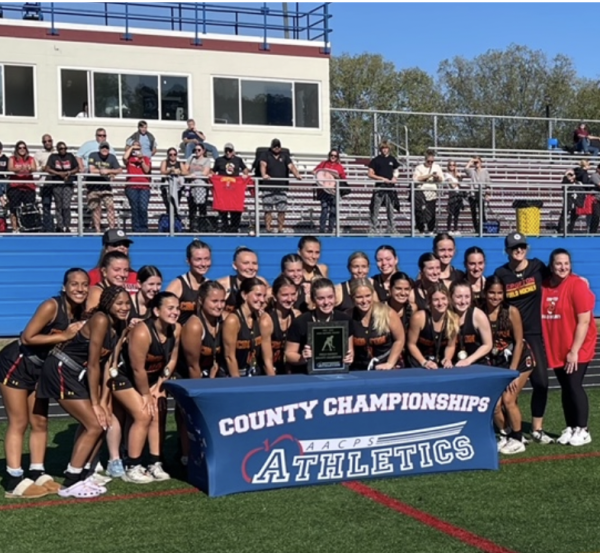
(158, 473)
(99, 479)
(541, 437)
(137, 475)
(99, 467)
(513, 446)
(580, 437)
(566, 436)
(115, 469)
(502, 441)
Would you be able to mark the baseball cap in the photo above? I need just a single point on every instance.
(276, 143)
(103, 145)
(515, 239)
(114, 236)
(229, 146)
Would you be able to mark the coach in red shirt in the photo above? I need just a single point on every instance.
(112, 240)
(570, 338)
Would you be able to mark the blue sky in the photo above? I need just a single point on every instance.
(424, 34)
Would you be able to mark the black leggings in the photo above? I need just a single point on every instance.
(574, 399)
(539, 376)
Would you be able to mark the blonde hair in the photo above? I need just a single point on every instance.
(451, 319)
(380, 312)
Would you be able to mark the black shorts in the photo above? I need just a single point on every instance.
(60, 382)
(18, 197)
(17, 372)
(527, 363)
(127, 382)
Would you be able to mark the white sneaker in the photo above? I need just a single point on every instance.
(158, 473)
(541, 437)
(99, 479)
(513, 446)
(580, 437)
(565, 437)
(99, 467)
(137, 475)
(503, 440)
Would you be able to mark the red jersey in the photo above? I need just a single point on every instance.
(229, 193)
(560, 307)
(131, 285)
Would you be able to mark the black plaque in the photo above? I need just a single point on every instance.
(329, 344)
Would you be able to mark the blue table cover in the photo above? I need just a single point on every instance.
(252, 434)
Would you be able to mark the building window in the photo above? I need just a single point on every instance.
(265, 103)
(17, 97)
(124, 96)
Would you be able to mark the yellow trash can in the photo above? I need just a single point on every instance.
(529, 216)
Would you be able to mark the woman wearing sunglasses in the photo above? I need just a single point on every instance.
(328, 172)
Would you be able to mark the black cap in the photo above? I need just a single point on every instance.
(276, 143)
(103, 145)
(115, 236)
(515, 239)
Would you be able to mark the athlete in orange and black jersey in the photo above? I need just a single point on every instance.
(157, 358)
(64, 371)
(420, 297)
(469, 339)
(187, 299)
(368, 345)
(20, 365)
(278, 340)
(232, 292)
(134, 313)
(346, 302)
(431, 344)
(382, 292)
(211, 352)
(301, 304)
(504, 342)
(248, 346)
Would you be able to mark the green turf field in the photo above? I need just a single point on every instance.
(531, 505)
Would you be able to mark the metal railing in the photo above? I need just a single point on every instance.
(312, 210)
(198, 18)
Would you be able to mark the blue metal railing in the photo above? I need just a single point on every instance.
(264, 20)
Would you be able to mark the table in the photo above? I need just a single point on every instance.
(250, 434)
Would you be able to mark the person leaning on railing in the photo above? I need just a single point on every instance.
(21, 189)
(62, 167)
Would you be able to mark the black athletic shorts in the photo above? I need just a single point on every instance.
(16, 371)
(60, 382)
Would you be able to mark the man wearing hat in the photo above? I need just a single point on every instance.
(115, 240)
(230, 165)
(275, 167)
(104, 167)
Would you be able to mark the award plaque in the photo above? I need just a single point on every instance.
(329, 344)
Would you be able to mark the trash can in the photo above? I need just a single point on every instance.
(529, 216)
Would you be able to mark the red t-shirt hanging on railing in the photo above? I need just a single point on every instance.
(229, 193)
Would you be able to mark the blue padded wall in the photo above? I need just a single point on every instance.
(31, 267)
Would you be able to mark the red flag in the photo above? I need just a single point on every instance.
(229, 193)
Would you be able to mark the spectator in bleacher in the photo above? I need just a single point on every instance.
(85, 112)
(199, 170)
(192, 136)
(89, 147)
(480, 181)
(41, 159)
(328, 201)
(275, 167)
(230, 165)
(138, 167)
(3, 172)
(145, 139)
(582, 140)
(21, 189)
(595, 217)
(173, 171)
(427, 177)
(576, 199)
(382, 170)
(62, 167)
(453, 178)
(104, 167)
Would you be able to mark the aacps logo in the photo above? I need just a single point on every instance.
(289, 460)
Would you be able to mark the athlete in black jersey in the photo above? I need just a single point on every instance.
(475, 267)
(474, 340)
(429, 276)
(432, 333)
(510, 351)
(55, 321)
(73, 374)
(358, 266)
(387, 263)
(241, 332)
(149, 359)
(523, 279)
(444, 247)
(274, 326)
(297, 350)
(309, 249)
(185, 287)
(150, 282)
(400, 287)
(378, 336)
(292, 267)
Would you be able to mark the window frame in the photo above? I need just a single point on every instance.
(35, 95)
(241, 125)
(105, 120)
